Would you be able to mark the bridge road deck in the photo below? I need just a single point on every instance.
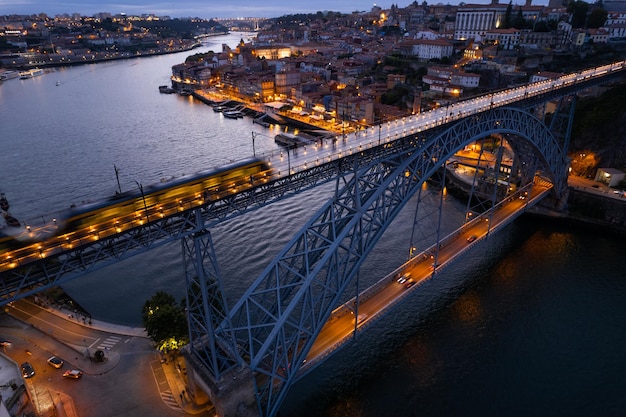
(340, 327)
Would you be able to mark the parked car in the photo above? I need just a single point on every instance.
(74, 373)
(27, 370)
(55, 361)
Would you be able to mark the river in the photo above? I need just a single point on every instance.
(531, 322)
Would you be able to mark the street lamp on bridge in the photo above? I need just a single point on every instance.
(254, 135)
(143, 197)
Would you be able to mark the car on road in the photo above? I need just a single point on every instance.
(471, 238)
(55, 361)
(403, 278)
(409, 283)
(27, 370)
(5, 342)
(74, 373)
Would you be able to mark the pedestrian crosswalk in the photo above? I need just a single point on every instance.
(168, 398)
(109, 342)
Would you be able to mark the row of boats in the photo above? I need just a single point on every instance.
(230, 112)
(10, 74)
(234, 110)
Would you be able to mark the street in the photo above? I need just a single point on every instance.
(132, 381)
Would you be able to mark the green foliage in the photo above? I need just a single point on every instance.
(396, 96)
(391, 31)
(578, 9)
(165, 321)
(295, 20)
(545, 26)
(519, 22)
(199, 57)
(600, 128)
(596, 18)
(180, 28)
(107, 24)
(508, 16)
(597, 114)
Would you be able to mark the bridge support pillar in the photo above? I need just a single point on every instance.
(233, 395)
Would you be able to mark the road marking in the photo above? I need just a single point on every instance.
(109, 342)
(164, 387)
(170, 401)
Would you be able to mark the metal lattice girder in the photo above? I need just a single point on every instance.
(69, 262)
(66, 263)
(278, 318)
(562, 120)
(206, 307)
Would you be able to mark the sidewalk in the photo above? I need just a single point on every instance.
(176, 373)
(90, 323)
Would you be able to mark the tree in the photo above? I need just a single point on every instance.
(519, 22)
(578, 9)
(508, 16)
(165, 321)
(596, 18)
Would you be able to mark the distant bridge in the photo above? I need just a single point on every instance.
(242, 23)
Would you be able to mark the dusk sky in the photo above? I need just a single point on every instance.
(201, 8)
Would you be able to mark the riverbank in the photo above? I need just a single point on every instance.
(588, 204)
(588, 210)
(259, 115)
(55, 61)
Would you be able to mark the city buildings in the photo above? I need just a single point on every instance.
(339, 68)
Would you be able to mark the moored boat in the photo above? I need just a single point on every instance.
(7, 75)
(11, 221)
(31, 73)
(4, 203)
(232, 114)
(166, 90)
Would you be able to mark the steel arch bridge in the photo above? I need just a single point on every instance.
(264, 338)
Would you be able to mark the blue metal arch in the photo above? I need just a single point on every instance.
(276, 321)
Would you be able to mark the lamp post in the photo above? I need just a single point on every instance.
(143, 197)
(288, 161)
(117, 176)
(253, 149)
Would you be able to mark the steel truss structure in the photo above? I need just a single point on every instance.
(65, 262)
(95, 252)
(274, 324)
